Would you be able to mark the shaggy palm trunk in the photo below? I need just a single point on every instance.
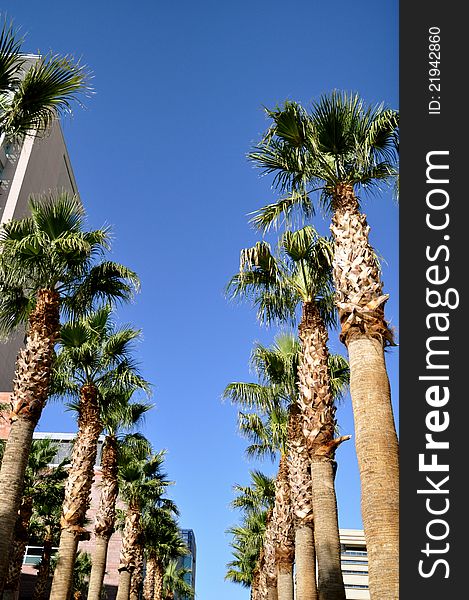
(137, 575)
(360, 301)
(159, 572)
(105, 516)
(319, 424)
(302, 506)
(269, 566)
(260, 578)
(20, 541)
(149, 583)
(255, 584)
(43, 573)
(283, 518)
(30, 392)
(128, 554)
(77, 490)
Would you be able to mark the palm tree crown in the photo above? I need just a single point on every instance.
(341, 141)
(33, 93)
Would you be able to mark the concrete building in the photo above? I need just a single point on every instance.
(354, 559)
(37, 165)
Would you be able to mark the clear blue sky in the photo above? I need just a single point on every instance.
(159, 153)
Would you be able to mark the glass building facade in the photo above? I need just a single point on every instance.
(188, 561)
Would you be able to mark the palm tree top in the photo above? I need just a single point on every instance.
(51, 249)
(93, 351)
(298, 272)
(35, 90)
(340, 141)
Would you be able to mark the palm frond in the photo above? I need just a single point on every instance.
(48, 89)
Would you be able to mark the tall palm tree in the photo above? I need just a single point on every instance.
(32, 96)
(339, 147)
(47, 261)
(301, 276)
(118, 418)
(277, 370)
(93, 358)
(141, 482)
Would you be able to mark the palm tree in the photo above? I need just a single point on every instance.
(33, 96)
(257, 500)
(41, 482)
(301, 275)
(174, 582)
(337, 148)
(163, 543)
(277, 370)
(141, 482)
(116, 419)
(93, 359)
(247, 544)
(268, 436)
(47, 261)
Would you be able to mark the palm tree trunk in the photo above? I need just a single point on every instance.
(30, 392)
(305, 563)
(78, 488)
(137, 575)
(123, 590)
(105, 516)
(318, 411)
(326, 531)
(63, 574)
(283, 518)
(269, 566)
(255, 584)
(302, 506)
(127, 561)
(378, 461)
(43, 573)
(98, 568)
(360, 301)
(285, 582)
(149, 583)
(158, 592)
(20, 541)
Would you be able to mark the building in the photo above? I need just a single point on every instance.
(188, 561)
(35, 166)
(354, 560)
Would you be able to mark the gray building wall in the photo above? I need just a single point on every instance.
(36, 166)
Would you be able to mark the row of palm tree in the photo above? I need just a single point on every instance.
(274, 429)
(57, 287)
(338, 147)
(91, 365)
